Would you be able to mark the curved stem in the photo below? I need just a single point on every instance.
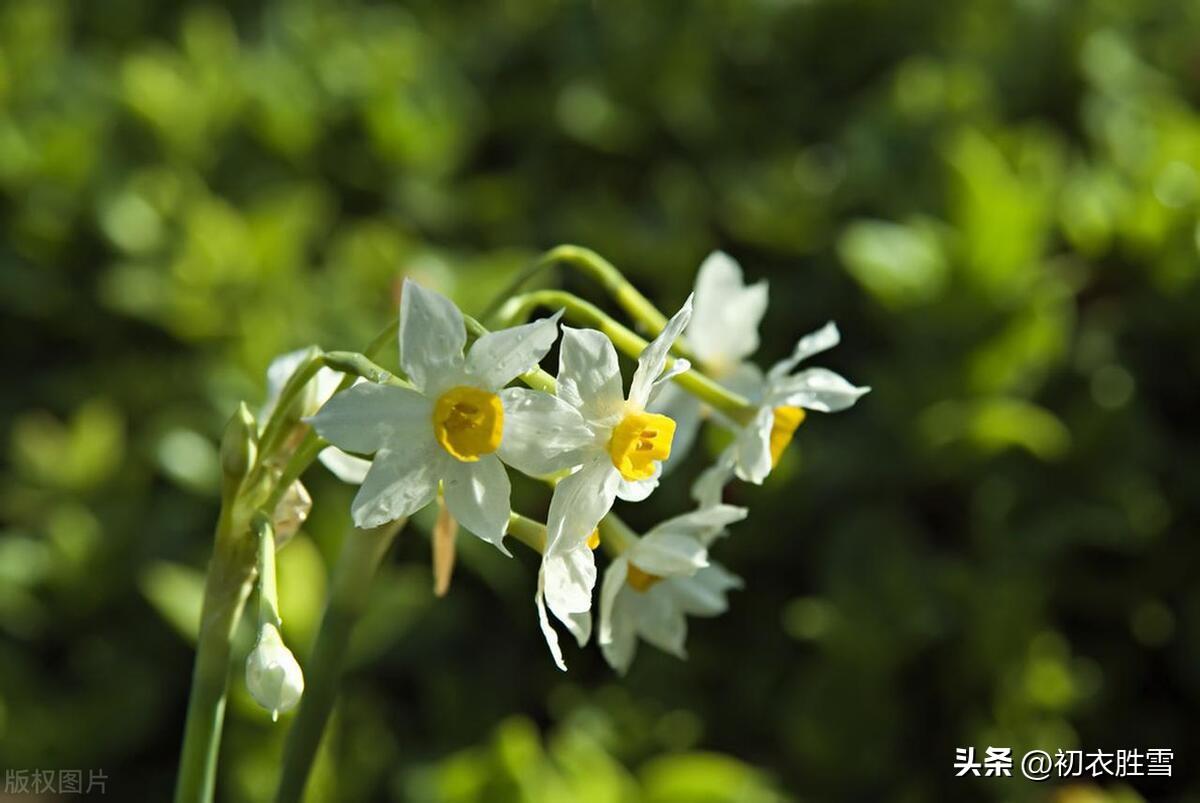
(361, 554)
(588, 262)
(521, 307)
(276, 429)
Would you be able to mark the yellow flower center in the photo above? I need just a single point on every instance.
(594, 539)
(468, 422)
(639, 580)
(786, 421)
(639, 440)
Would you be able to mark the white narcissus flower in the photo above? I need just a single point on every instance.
(317, 391)
(651, 589)
(621, 459)
(722, 334)
(782, 399)
(457, 424)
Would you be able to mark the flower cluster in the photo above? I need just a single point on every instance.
(449, 429)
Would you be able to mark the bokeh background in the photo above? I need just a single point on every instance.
(996, 200)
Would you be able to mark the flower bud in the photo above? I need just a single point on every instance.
(273, 676)
(239, 444)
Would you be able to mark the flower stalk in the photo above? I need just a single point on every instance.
(361, 554)
(591, 264)
(226, 588)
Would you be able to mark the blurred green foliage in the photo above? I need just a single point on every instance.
(996, 200)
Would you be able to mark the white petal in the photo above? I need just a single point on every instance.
(499, 357)
(753, 447)
(589, 377)
(614, 581)
(677, 367)
(345, 467)
(654, 357)
(621, 646)
(578, 504)
(399, 484)
(278, 373)
(724, 329)
(542, 433)
(432, 336)
(816, 389)
(687, 413)
(669, 554)
(748, 380)
(326, 383)
(661, 622)
(704, 524)
(709, 487)
(637, 490)
(477, 494)
(548, 629)
(703, 594)
(367, 417)
(813, 343)
(316, 392)
(569, 581)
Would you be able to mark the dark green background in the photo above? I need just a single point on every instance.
(996, 200)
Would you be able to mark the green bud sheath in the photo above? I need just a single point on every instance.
(239, 444)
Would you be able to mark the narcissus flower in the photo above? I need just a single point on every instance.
(652, 587)
(346, 468)
(622, 459)
(722, 334)
(457, 423)
(782, 398)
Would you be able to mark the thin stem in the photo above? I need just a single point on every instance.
(588, 262)
(361, 554)
(628, 342)
(354, 364)
(297, 464)
(268, 596)
(226, 588)
(529, 532)
(615, 535)
(275, 431)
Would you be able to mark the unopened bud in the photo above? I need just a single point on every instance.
(239, 444)
(273, 675)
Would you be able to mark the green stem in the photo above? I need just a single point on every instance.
(231, 570)
(354, 365)
(588, 262)
(226, 588)
(529, 532)
(519, 308)
(615, 535)
(277, 427)
(303, 456)
(361, 554)
(268, 596)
